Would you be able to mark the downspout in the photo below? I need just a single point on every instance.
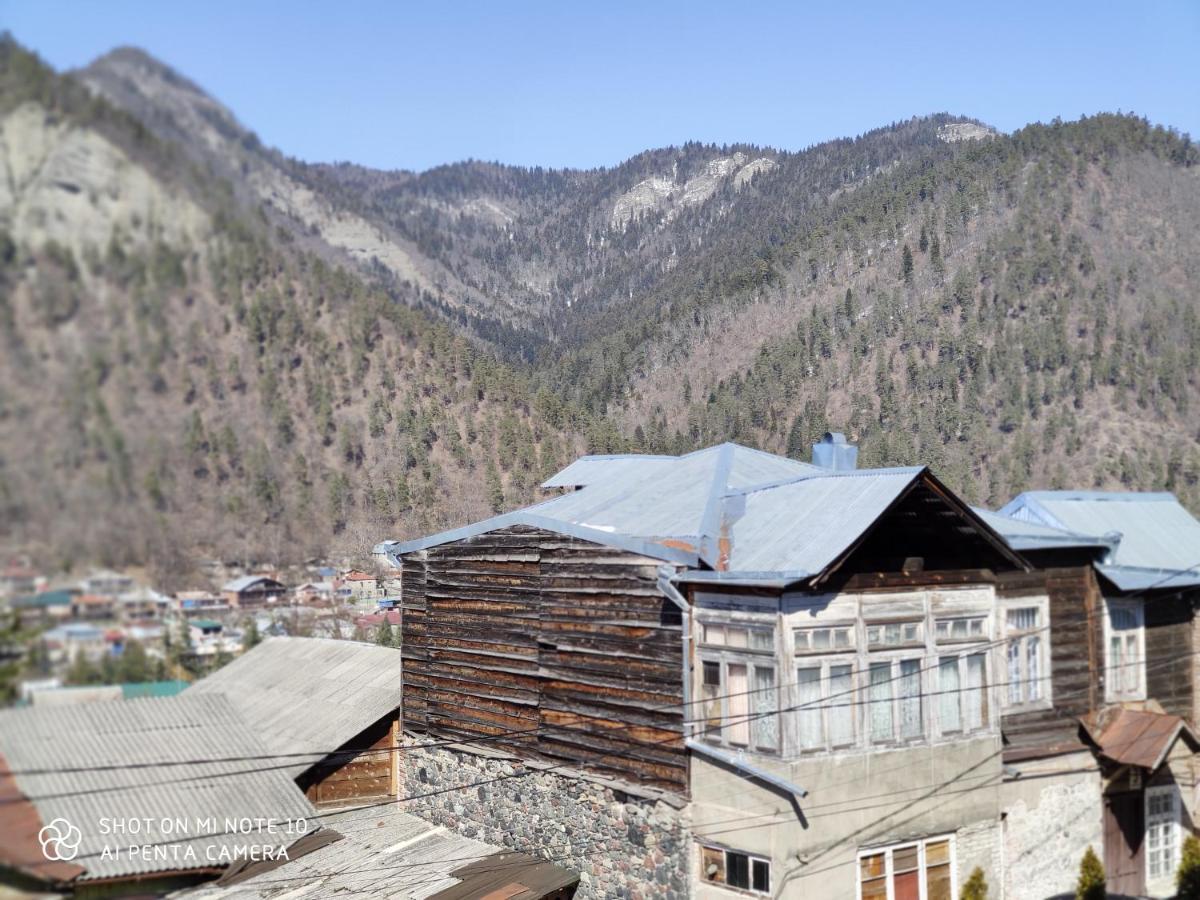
(746, 768)
(672, 593)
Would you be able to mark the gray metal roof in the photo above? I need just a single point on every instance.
(121, 753)
(384, 854)
(806, 525)
(309, 695)
(590, 469)
(1159, 540)
(1022, 534)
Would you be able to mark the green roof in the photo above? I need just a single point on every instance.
(136, 689)
(205, 624)
(44, 599)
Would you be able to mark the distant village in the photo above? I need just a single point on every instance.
(108, 632)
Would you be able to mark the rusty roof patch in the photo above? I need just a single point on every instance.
(1135, 737)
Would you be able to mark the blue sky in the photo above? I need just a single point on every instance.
(412, 85)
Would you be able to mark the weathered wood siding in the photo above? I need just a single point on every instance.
(1170, 659)
(369, 773)
(548, 646)
(1076, 637)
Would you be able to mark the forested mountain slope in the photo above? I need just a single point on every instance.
(215, 347)
(179, 378)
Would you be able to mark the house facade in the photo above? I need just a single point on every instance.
(758, 675)
(252, 592)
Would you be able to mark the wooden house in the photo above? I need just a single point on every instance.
(747, 638)
(252, 591)
(328, 709)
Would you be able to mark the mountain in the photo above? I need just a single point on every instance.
(181, 378)
(403, 350)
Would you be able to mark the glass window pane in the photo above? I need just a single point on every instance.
(937, 852)
(874, 634)
(1016, 691)
(821, 639)
(905, 859)
(712, 864)
(760, 876)
(737, 869)
(937, 882)
(872, 866)
(875, 889)
(710, 696)
(891, 634)
(948, 698)
(881, 701)
(714, 634)
(761, 639)
(976, 627)
(735, 637)
(1033, 671)
(942, 629)
(912, 632)
(911, 725)
(766, 711)
(841, 706)
(975, 712)
(737, 729)
(808, 701)
(843, 637)
(958, 628)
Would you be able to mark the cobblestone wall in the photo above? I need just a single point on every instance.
(622, 845)
(1047, 833)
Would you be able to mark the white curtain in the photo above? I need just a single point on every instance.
(808, 701)
(881, 701)
(948, 698)
(910, 698)
(841, 706)
(766, 721)
(975, 697)
(737, 729)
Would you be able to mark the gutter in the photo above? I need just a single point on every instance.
(665, 573)
(738, 761)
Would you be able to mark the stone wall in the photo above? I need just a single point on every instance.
(979, 846)
(621, 845)
(1049, 824)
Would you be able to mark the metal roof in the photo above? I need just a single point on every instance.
(806, 525)
(747, 514)
(1158, 539)
(309, 695)
(246, 581)
(590, 469)
(385, 854)
(110, 761)
(1025, 535)
(1135, 737)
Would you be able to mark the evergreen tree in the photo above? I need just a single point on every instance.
(976, 887)
(906, 265)
(383, 635)
(1187, 877)
(1090, 885)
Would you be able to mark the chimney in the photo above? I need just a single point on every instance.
(833, 453)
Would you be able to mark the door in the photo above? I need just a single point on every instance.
(1124, 844)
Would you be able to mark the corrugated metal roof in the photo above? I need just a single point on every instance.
(305, 695)
(1135, 737)
(384, 853)
(1157, 535)
(110, 761)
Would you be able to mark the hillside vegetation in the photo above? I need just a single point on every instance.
(213, 349)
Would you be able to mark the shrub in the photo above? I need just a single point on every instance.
(976, 887)
(1091, 878)
(1187, 877)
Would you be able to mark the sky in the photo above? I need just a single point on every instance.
(575, 84)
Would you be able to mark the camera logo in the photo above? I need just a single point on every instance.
(60, 840)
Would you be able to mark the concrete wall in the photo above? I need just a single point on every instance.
(1052, 815)
(622, 845)
(855, 801)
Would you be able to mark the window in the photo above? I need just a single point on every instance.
(922, 869)
(739, 870)
(895, 634)
(971, 628)
(1125, 638)
(823, 640)
(765, 723)
(895, 697)
(1162, 831)
(740, 703)
(962, 693)
(1025, 642)
(710, 697)
(737, 637)
(825, 704)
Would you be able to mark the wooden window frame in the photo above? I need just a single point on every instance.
(751, 661)
(1020, 637)
(1176, 827)
(1138, 609)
